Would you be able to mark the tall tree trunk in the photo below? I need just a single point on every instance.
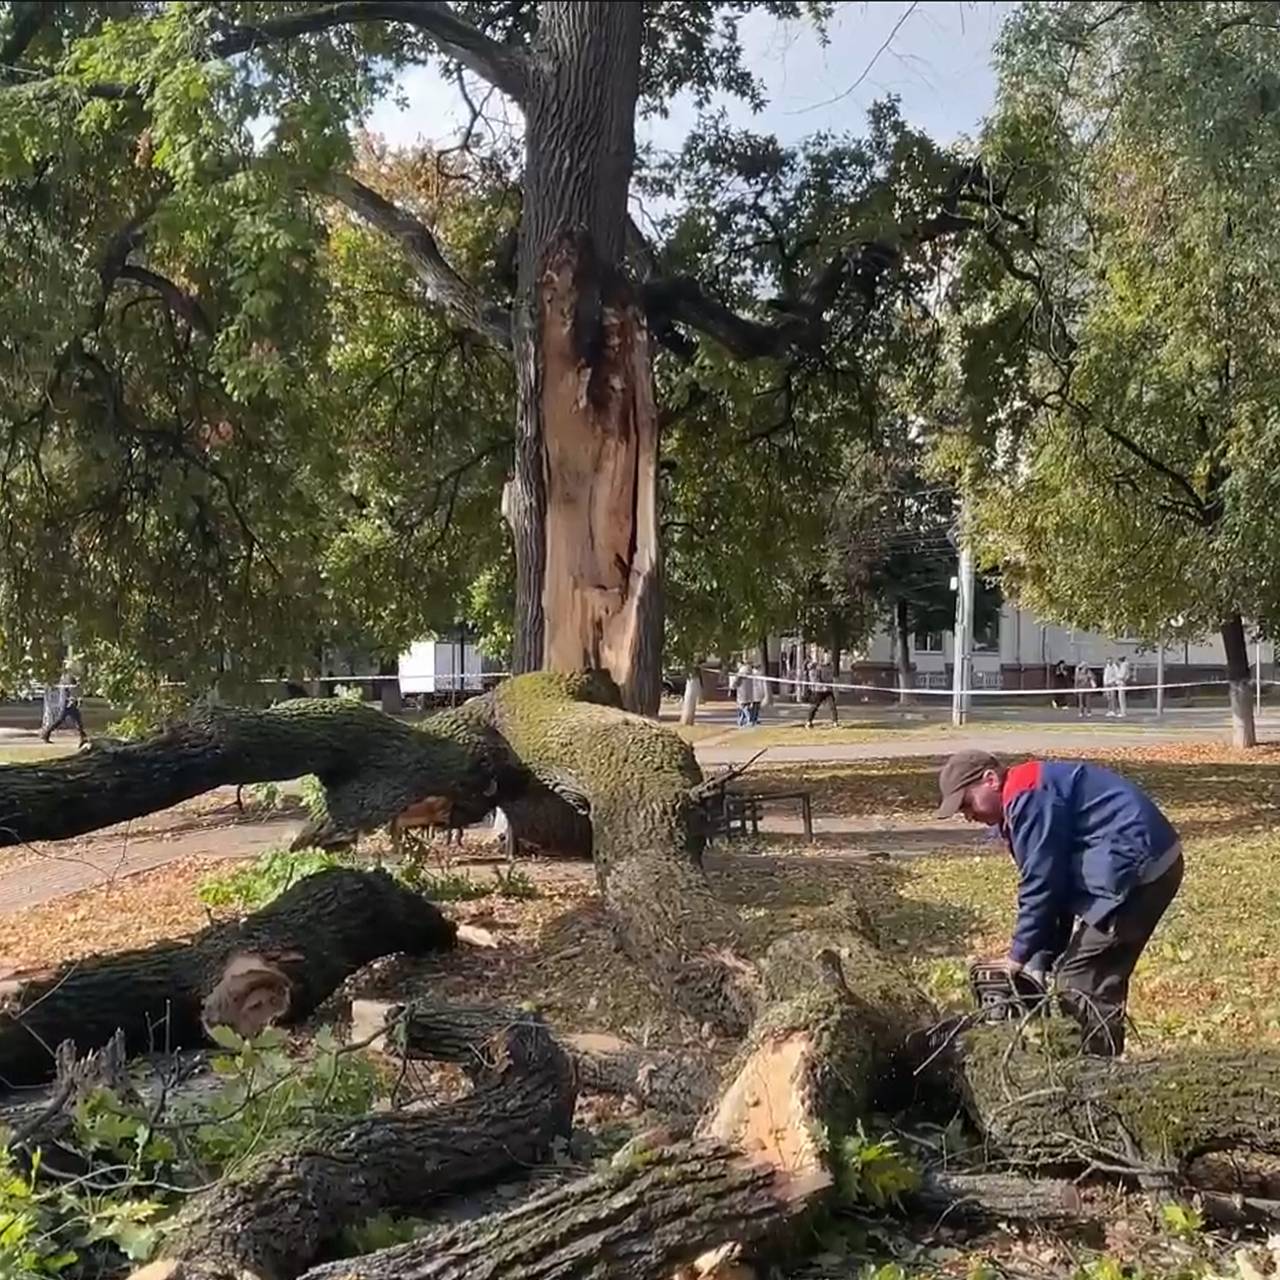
(692, 695)
(583, 501)
(1244, 733)
(902, 650)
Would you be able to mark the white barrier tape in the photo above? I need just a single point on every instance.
(1065, 690)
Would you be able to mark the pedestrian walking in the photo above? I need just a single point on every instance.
(759, 690)
(1085, 683)
(1109, 686)
(743, 688)
(62, 706)
(820, 691)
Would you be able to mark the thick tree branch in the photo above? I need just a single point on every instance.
(175, 298)
(504, 68)
(801, 325)
(442, 281)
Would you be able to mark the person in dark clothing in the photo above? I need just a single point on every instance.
(1061, 684)
(62, 706)
(1098, 865)
(819, 691)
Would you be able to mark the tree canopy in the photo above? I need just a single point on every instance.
(239, 420)
(1115, 359)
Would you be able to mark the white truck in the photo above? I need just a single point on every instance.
(439, 669)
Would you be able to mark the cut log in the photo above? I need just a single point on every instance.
(1039, 1102)
(679, 1084)
(272, 1219)
(999, 1197)
(276, 965)
(640, 1220)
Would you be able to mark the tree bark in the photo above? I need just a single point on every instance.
(373, 767)
(1244, 732)
(998, 1197)
(583, 500)
(902, 650)
(641, 1220)
(276, 965)
(273, 1219)
(1041, 1103)
(692, 696)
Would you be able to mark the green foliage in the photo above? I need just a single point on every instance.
(54, 1227)
(380, 1232)
(268, 1093)
(515, 883)
(1114, 371)
(441, 885)
(873, 1172)
(1181, 1220)
(250, 887)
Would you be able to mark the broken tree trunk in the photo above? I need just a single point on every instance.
(273, 1218)
(636, 780)
(275, 966)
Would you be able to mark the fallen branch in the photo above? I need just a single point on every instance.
(275, 966)
(272, 1219)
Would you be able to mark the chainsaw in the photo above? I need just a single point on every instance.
(1001, 993)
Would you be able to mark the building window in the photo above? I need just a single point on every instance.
(928, 641)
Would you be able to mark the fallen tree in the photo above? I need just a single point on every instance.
(830, 1026)
(274, 966)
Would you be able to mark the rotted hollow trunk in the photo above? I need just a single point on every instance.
(272, 1219)
(275, 966)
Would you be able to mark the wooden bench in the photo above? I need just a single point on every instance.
(738, 812)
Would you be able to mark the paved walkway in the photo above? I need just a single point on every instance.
(55, 875)
(86, 864)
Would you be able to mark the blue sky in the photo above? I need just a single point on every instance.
(935, 55)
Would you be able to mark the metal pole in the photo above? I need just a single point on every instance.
(1160, 680)
(1257, 674)
(963, 637)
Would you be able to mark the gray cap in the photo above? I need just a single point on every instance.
(959, 773)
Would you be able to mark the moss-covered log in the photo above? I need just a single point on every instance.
(636, 781)
(276, 965)
(372, 766)
(644, 1219)
(270, 1220)
(1039, 1102)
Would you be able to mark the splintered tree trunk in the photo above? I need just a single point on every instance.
(1244, 732)
(583, 501)
(274, 966)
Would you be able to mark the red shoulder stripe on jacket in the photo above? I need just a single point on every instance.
(1022, 777)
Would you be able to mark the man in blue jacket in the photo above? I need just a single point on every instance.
(1098, 864)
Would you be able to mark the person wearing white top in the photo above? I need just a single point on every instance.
(1122, 679)
(1109, 686)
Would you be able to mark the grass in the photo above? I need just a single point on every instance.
(1212, 972)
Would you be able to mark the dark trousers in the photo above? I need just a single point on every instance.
(71, 712)
(818, 699)
(1094, 971)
